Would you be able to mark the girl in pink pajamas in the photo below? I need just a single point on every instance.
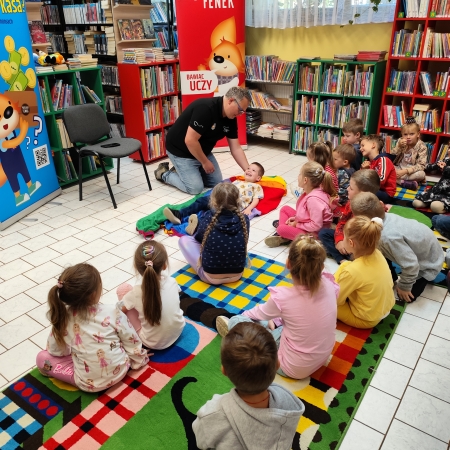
(313, 209)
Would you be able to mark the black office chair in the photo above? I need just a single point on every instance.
(86, 126)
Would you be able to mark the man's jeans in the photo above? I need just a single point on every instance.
(190, 176)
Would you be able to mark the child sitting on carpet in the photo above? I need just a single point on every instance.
(218, 250)
(333, 240)
(366, 295)
(305, 313)
(91, 345)
(256, 413)
(352, 132)
(408, 243)
(313, 208)
(250, 193)
(343, 156)
(371, 147)
(322, 153)
(411, 156)
(159, 320)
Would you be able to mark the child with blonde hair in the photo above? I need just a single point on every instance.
(411, 156)
(322, 153)
(304, 314)
(156, 300)
(364, 298)
(218, 250)
(313, 208)
(91, 345)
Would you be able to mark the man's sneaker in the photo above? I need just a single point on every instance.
(22, 198)
(192, 224)
(34, 187)
(276, 241)
(162, 168)
(411, 185)
(172, 215)
(222, 325)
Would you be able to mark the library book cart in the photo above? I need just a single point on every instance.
(417, 77)
(328, 93)
(60, 90)
(150, 104)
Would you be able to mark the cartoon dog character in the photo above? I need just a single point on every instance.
(13, 130)
(226, 59)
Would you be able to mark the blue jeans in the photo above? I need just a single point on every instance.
(190, 176)
(275, 333)
(326, 236)
(441, 223)
(385, 197)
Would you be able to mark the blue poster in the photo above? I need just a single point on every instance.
(27, 172)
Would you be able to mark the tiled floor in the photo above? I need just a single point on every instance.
(407, 405)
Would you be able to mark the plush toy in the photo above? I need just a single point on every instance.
(49, 60)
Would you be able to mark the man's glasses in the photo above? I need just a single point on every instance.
(241, 111)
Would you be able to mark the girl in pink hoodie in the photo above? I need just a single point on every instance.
(313, 209)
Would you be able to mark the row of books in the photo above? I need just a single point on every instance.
(324, 135)
(436, 45)
(402, 82)
(171, 107)
(136, 29)
(75, 42)
(269, 68)
(113, 104)
(395, 116)
(56, 41)
(63, 135)
(159, 12)
(446, 124)
(443, 152)
(162, 38)
(415, 8)
(359, 83)
(429, 87)
(156, 80)
(264, 100)
(50, 15)
(155, 145)
(118, 130)
(441, 8)
(371, 55)
(308, 78)
(110, 75)
(302, 138)
(407, 42)
(428, 120)
(70, 172)
(44, 98)
(333, 79)
(252, 121)
(330, 112)
(61, 95)
(390, 141)
(152, 114)
(274, 131)
(84, 13)
(359, 110)
(137, 55)
(305, 109)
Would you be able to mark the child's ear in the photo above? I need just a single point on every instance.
(223, 370)
(258, 178)
(345, 162)
(278, 364)
(358, 135)
(288, 264)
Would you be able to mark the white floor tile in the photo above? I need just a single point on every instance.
(18, 360)
(40, 291)
(377, 409)
(89, 235)
(71, 258)
(15, 286)
(12, 253)
(96, 247)
(361, 437)
(16, 307)
(14, 268)
(59, 222)
(41, 256)
(44, 272)
(67, 245)
(40, 339)
(437, 350)
(107, 214)
(414, 328)
(36, 230)
(444, 310)
(403, 437)
(441, 327)
(104, 261)
(79, 214)
(38, 242)
(111, 278)
(432, 379)
(12, 239)
(119, 236)
(17, 331)
(86, 223)
(424, 308)
(403, 351)
(391, 378)
(63, 232)
(125, 250)
(40, 314)
(57, 211)
(435, 293)
(426, 413)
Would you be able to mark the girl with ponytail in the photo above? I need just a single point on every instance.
(366, 294)
(153, 307)
(91, 345)
(218, 251)
(313, 209)
(304, 315)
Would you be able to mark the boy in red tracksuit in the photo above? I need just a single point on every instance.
(371, 147)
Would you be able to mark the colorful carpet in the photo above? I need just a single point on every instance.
(155, 406)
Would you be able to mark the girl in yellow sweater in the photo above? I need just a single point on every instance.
(366, 295)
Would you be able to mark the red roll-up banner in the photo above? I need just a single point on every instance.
(211, 41)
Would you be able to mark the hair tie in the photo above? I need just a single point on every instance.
(377, 220)
(410, 120)
(60, 284)
(148, 250)
(149, 263)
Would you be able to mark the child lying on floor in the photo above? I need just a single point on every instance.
(250, 193)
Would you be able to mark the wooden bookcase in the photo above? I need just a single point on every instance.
(90, 77)
(133, 104)
(439, 100)
(317, 128)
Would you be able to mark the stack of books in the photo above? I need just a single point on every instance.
(308, 78)
(419, 8)
(73, 63)
(43, 69)
(75, 41)
(306, 109)
(110, 41)
(266, 130)
(429, 87)
(407, 42)
(436, 45)
(281, 132)
(371, 55)
(402, 82)
(169, 56)
(60, 67)
(345, 57)
(253, 121)
(155, 54)
(86, 60)
(134, 55)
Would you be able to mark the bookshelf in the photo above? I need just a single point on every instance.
(417, 75)
(164, 21)
(150, 104)
(64, 156)
(329, 92)
(34, 15)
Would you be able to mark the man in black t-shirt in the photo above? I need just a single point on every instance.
(192, 137)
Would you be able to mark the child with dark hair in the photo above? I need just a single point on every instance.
(371, 147)
(256, 413)
(91, 345)
(305, 313)
(218, 250)
(156, 300)
(343, 156)
(352, 132)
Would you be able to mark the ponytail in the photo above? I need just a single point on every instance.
(318, 176)
(58, 316)
(328, 185)
(364, 232)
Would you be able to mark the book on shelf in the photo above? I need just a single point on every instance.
(75, 41)
(407, 42)
(149, 31)
(86, 60)
(155, 145)
(434, 88)
(329, 112)
(37, 32)
(69, 168)
(390, 141)
(114, 104)
(44, 98)
(305, 109)
(333, 79)
(355, 110)
(252, 121)
(324, 135)
(125, 30)
(171, 107)
(110, 75)
(436, 45)
(303, 138)
(428, 120)
(117, 130)
(443, 152)
(415, 8)
(269, 68)
(446, 124)
(281, 132)
(441, 8)
(61, 95)
(162, 38)
(50, 15)
(358, 82)
(158, 13)
(85, 13)
(308, 78)
(263, 100)
(402, 82)
(65, 141)
(395, 116)
(371, 55)
(56, 41)
(152, 115)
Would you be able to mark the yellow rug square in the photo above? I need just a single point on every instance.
(218, 294)
(257, 263)
(248, 273)
(234, 285)
(264, 279)
(275, 269)
(183, 279)
(199, 286)
(252, 290)
(239, 302)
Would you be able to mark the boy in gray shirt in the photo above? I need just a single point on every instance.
(407, 242)
(256, 414)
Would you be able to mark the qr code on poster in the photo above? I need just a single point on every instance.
(41, 157)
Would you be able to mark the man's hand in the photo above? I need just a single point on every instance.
(341, 249)
(247, 211)
(406, 296)
(208, 167)
(365, 165)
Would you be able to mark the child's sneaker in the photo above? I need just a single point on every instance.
(34, 187)
(22, 198)
(276, 241)
(192, 224)
(275, 223)
(172, 215)
(222, 325)
(411, 185)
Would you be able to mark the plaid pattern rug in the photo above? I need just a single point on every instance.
(38, 412)
(407, 194)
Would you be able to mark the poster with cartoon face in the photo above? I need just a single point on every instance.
(27, 173)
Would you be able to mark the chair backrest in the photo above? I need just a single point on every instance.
(86, 123)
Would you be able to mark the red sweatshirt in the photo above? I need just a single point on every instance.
(346, 216)
(386, 171)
